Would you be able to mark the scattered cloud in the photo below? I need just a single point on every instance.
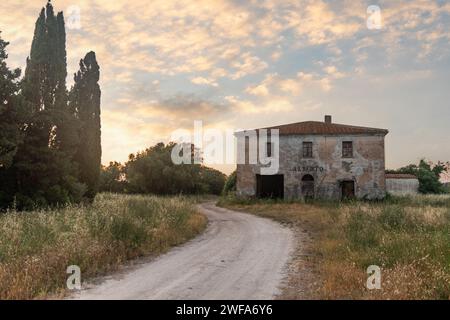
(166, 63)
(204, 81)
(276, 84)
(272, 105)
(247, 64)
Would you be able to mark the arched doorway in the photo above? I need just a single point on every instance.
(308, 186)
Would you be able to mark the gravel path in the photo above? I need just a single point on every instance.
(239, 256)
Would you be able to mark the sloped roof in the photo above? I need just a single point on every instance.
(400, 176)
(323, 128)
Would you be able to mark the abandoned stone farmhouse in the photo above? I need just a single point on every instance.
(316, 160)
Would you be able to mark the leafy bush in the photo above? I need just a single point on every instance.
(230, 184)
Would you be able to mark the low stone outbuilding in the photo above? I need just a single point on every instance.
(316, 160)
(402, 184)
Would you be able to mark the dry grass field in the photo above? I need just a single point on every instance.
(408, 238)
(37, 247)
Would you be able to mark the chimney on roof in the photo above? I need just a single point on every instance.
(327, 119)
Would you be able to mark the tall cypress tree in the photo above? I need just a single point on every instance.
(67, 124)
(42, 161)
(85, 102)
(44, 169)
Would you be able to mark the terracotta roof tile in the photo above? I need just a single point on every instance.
(400, 176)
(322, 128)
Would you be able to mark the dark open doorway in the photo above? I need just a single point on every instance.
(308, 186)
(270, 186)
(348, 190)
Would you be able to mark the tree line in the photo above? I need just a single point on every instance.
(153, 171)
(50, 150)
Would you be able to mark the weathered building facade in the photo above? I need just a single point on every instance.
(318, 160)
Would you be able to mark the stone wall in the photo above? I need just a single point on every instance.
(402, 187)
(327, 166)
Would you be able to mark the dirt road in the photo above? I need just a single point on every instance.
(239, 256)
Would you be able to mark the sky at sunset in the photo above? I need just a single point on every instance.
(247, 64)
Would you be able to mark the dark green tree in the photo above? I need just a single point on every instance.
(44, 171)
(112, 178)
(212, 179)
(152, 171)
(11, 118)
(85, 103)
(10, 109)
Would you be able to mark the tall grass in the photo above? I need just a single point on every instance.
(37, 247)
(407, 237)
